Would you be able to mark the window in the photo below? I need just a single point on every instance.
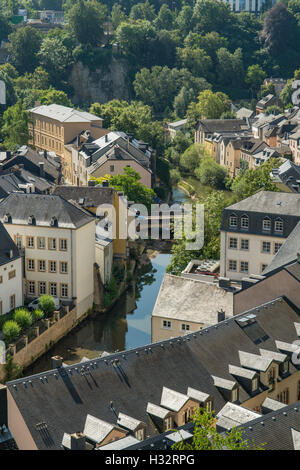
(168, 423)
(41, 243)
(52, 243)
(42, 288)
(64, 290)
(233, 243)
(185, 327)
(244, 244)
(235, 394)
(29, 242)
(18, 241)
(12, 274)
(244, 266)
(30, 264)
(233, 221)
(63, 267)
(112, 168)
(283, 397)
(266, 247)
(279, 225)
(263, 267)
(277, 247)
(63, 244)
(31, 287)
(254, 384)
(42, 265)
(12, 302)
(52, 267)
(284, 367)
(140, 434)
(53, 289)
(266, 225)
(245, 222)
(167, 324)
(232, 265)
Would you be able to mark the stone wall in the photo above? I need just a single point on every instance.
(38, 346)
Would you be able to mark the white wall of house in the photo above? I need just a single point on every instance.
(254, 256)
(11, 285)
(79, 256)
(104, 259)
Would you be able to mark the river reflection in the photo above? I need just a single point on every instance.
(126, 326)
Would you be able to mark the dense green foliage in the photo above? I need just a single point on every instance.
(23, 318)
(206, 436)
(11, 330)
(47, 304)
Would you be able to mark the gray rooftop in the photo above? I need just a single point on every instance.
(64, 113)
(270, 202)
(96, 429)
(120, 444)
(128, 422)
(43, 208)
(232, 415)
(191, 300)
(173, 400)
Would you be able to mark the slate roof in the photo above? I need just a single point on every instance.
(63, 397)
(43, 207)
(7, 247)
(87, 196)
(287, 253)
(289, 174)
(11, 182)
(243, 113)
(31, 161)
(274, 429)
(222, 125)
(115, 153)
(64, 113)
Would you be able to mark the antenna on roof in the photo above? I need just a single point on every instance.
(111, 405)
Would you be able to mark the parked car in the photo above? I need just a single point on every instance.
(34, 305)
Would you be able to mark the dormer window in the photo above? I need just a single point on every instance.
(53, 222)
(233, 221)
(254, 384)
(7, 219)
(279, 226)
(266, 225)
(31, 220)
(245, 222)
(235, 394)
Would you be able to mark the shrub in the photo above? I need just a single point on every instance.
(11, 330)
(23, 318)
(38, 314)
(47, 304)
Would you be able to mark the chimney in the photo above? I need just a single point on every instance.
(78, 441)
(221, 315)
(56, 362)
(42, 169)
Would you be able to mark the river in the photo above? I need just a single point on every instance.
(127, 325)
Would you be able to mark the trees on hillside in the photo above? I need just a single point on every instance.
(24, 45)
(86, 20)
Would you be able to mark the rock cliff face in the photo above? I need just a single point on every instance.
(106, 83)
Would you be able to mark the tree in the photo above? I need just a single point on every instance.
(47, 304)
(5, 28)
(206, 436)
(165, 18)
(38, 314)
(135, 39)
(209, 15)
(255, 77)
(211, 105)
(86, 20)
(196, 61)
(15, 126)
(53, 96)
(23, 318)
(280, 31)
(254, 180)
(117, 15)
(184, 19)
(211, 173)
(230, 68)
(55, 58)
(24, 45)
(11, 330)
(191, 158)
(129, 183)
(143, 11)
